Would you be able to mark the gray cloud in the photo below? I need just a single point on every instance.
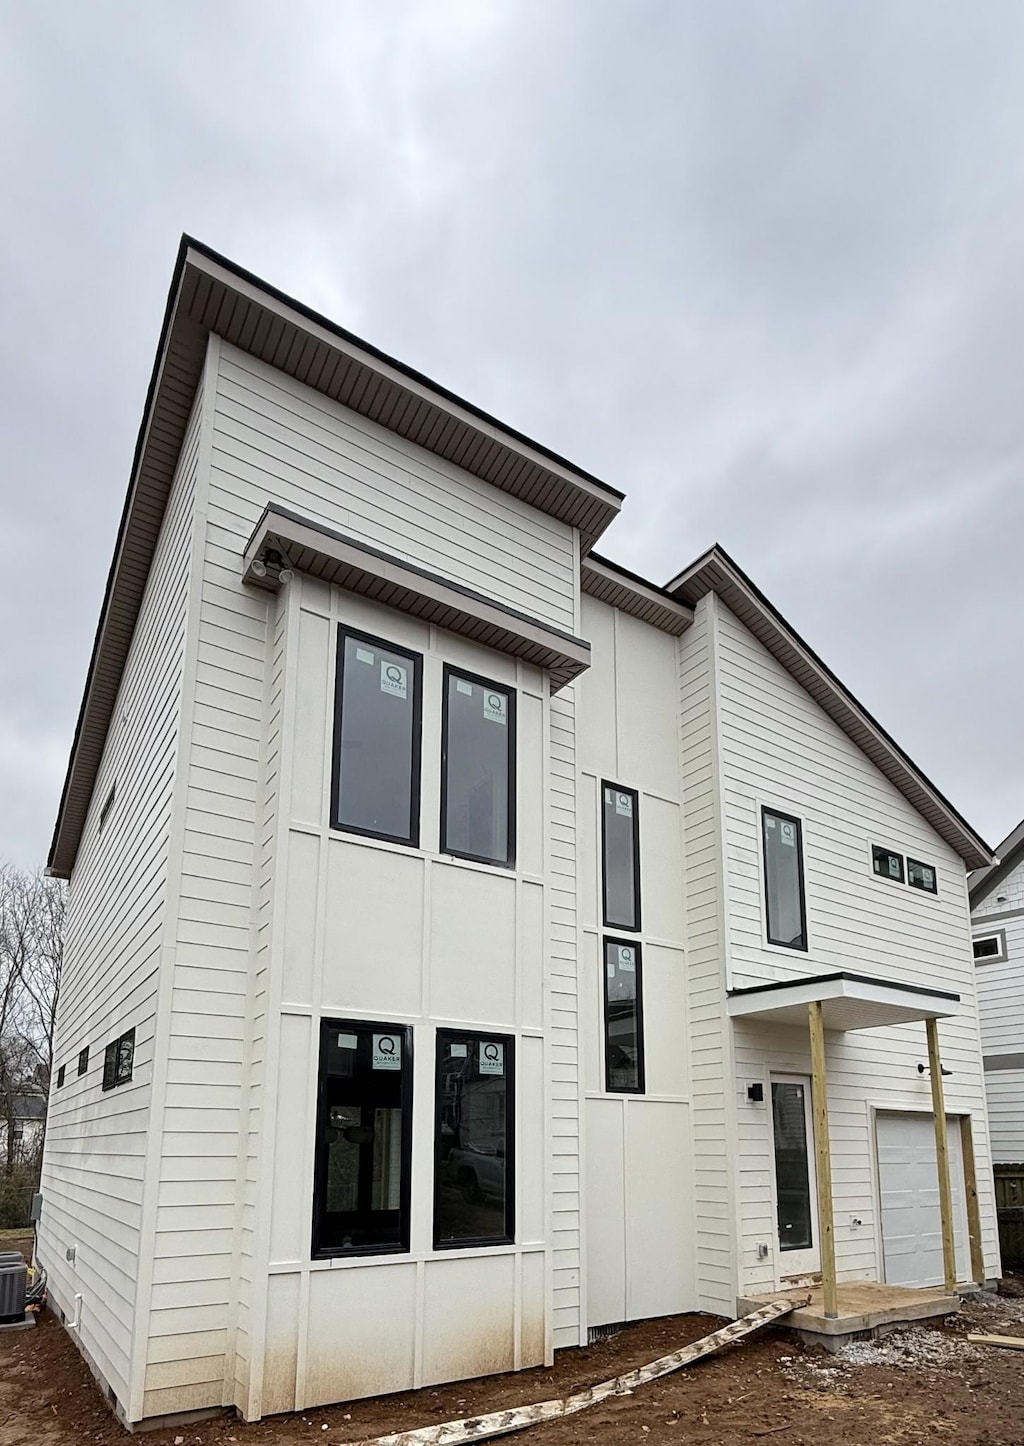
(756, 264)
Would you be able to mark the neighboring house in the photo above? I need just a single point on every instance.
(449, 907)
(997, 921)
(28, 1120)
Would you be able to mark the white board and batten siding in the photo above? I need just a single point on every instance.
(1001, 1004)
(779, 749)
(117, 936)
(637, 1149)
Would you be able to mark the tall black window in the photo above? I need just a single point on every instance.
(377, 715)
(119, 1060)
(364, 1116)
(623, 1017)
(620, 856)
(792, 1174)
(473, 1142)
(784, 879)
(478, 786)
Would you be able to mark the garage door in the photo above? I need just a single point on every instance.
(909, 1189)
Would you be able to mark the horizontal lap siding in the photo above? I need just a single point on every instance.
(569, 1326)
(708, 1042)
(96, 1142)
(203, 1218)
(1001, 1005)
(278, 440)
(779, 748)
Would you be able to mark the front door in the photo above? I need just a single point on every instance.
(796, 1192)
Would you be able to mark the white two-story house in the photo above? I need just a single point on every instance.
(997, 913)
(458, 921)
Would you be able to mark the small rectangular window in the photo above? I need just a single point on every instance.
(478, 751)
(364, 1139)
(108, 805)
(782, 838)
(886, 864)
(119, 1060)
(377, 724)
(60, 1075)
(620, 856)
(991, 948)
(473, 1140)
(83, 1060)
(623, 1017)
(922, 876)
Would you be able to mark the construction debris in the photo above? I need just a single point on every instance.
(502, 1423)
(1013, 1343)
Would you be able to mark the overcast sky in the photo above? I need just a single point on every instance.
(757, 264)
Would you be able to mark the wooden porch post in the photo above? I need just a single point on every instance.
(973, 1212)
(942, 1155)
(823, 1156)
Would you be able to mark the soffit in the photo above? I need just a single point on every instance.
(623, 590)
(848, 1001)
(309, 547)
(716, 572)
(209, 295)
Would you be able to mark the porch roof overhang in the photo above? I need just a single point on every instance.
(307, 546)
(848, 1001)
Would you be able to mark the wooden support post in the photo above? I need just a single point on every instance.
(823, 1158)
(973, 1211)
(942, 1155)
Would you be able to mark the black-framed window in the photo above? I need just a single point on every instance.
(887, 864)
(623, 1017)
(60, 1075)
(378, 709)
(990, 948)
(620, 856)
(794, 1204)
(478, 769)
(119, 1060)
(922, 876)
(474, 1139)
(107, 806)
(361, 1187)
(783, 851)
(83, 1060)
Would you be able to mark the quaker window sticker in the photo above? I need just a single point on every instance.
(491, 1057)
(495, 707)
(387, 1051)
(394, 679)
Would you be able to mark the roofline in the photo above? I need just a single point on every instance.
(209, 294)
(715, 571)
(610, 583)
(1009, 854)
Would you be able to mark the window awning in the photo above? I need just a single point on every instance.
(848, 1001)
(310, 547)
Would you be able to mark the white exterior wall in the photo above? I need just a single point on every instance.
(638, 1218)
(94, 1165)
(266, 894)
(779, 748)
(1001, 1004)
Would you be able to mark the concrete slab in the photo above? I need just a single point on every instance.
(866, 1308)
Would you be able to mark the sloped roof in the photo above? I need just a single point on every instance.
(716, 572)
(210, 294)
(1008, 855)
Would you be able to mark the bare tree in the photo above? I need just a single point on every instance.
(31, 953)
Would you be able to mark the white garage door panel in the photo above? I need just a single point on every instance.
(909, 1189)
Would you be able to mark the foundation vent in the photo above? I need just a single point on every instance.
(605, 1332)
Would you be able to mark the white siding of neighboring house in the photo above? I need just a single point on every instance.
(248, 851)
(1001, 1003)
(780, 749)
(639, 1235)
(96, 1142)
(710, 1039)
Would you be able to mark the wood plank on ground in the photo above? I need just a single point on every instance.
(503, 1423)
(1013, 1343)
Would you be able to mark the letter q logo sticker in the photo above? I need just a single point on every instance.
(387, 1051)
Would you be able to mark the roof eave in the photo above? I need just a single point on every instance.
(715, 571)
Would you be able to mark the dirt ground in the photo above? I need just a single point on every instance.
(924, 1384)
